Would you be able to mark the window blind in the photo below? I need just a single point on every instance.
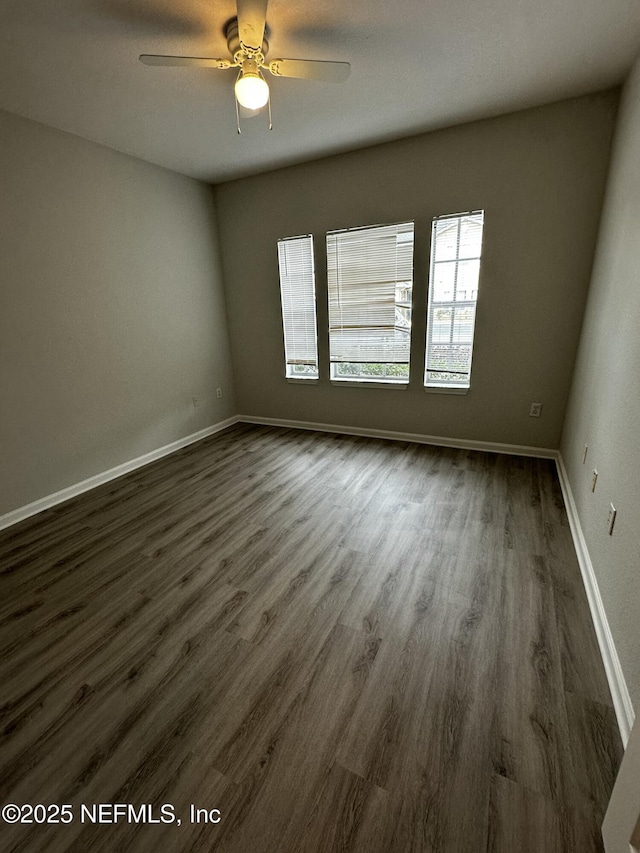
(369, 277)
(297, 291)
(456, 245)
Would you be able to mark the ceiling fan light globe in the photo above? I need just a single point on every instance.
(252, 91)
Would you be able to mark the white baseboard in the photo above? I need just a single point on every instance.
(438, 440)
(617, 684)
(49, 501)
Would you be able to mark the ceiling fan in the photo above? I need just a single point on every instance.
(248, 48)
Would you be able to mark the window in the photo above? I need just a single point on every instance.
(297, 291)
(456, 243)
(370, 281)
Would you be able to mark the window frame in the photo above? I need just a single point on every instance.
(379, 371)
(302, 302)
(449, 385)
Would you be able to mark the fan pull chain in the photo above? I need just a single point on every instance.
(236, 103)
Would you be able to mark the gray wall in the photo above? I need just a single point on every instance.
(540, 177)
(604, 406)
(112, 312)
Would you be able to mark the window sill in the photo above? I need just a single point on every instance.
(366, 383)
(446, 389)
(295, 380)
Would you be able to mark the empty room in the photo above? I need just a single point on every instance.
(319, 457)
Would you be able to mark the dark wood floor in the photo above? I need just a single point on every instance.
(343, 644)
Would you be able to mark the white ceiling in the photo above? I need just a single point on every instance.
(73, 64)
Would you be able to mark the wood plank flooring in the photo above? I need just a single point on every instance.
(343, 644)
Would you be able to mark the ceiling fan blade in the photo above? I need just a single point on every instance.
(193, 61)
(310, 69)
(252, 16)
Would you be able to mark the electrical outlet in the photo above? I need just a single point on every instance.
(196, 402)
(218, 393)
(584, 454)
(535, 410)
(612, 518)
(594, 480)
